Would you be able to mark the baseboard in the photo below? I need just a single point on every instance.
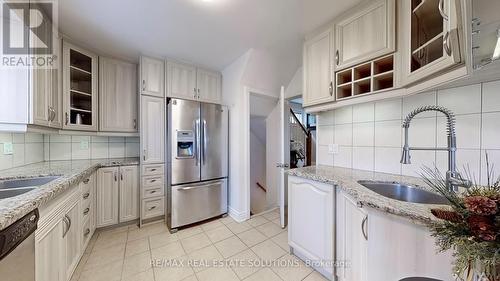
(237, 215)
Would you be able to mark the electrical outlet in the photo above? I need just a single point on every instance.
(333, 149)
(84, 144)
(8, 149)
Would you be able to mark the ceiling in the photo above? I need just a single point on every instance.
(212, 33)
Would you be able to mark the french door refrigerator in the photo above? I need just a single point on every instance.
(197, 162)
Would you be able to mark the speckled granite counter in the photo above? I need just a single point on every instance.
(347, 180)
(71, 172)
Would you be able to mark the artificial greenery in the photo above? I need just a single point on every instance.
(471, 227)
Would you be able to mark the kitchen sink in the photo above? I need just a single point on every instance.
(11, 188)
(402, 192)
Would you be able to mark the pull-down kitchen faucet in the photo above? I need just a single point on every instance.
(453, 178)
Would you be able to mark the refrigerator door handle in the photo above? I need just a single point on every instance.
(204, 142)
(197, 141)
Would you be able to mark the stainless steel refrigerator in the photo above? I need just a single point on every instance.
(197, 155)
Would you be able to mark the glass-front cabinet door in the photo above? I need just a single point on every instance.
(431, 37)
(485, 32)
(79, 88)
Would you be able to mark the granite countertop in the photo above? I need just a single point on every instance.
(347, 180)
(71, 173)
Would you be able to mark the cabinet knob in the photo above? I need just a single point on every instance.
(151, 208)
(330, 88)
(337, 57)
(67, 118)
(86, 211)
(135, 123)
(87, 232)
(86, 195)
(86, 181)
(143, 84)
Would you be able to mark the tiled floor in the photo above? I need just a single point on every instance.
(126, 253)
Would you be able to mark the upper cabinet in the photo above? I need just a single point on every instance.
(366, 32)
(152, 77)
(117, 96)
(181, 81)
(430, 37)
(318, 78)
(79, 88)
(209, 85)
(189, 82)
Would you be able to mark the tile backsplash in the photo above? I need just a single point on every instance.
(32, 148)
(59, 147)
(370, 136)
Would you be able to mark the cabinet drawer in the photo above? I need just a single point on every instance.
(87, 209)
(149, 170)
(153, 181)
(86, 233)
(87, 184)
(153, 208)
(152, 192)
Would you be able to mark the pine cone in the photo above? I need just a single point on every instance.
(481, 205)
(482, 227)
(446, 215)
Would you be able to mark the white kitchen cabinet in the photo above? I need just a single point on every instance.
(57, 239)
(152, 130)
(318, 78)
(129, 193)
(366, 32)
(107, 196)
(49, 252)
(80, 97)
(72, 237)
(431, 38)
(117, 96)
(351, 240)
(117, 195)
(209, 84)
(311, 207)
(413, 253)
(181, 81)
(152, 77)
(189, 82)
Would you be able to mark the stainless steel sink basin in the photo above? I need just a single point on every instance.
(11, 188)
(7, 193)
(26, 182)
(403, 192)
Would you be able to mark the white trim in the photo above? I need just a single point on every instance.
(238, 216)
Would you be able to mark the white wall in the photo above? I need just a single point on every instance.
(233, 97)
(258, 201)
(294, 88)
(371, 138)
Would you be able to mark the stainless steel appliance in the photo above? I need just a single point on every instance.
(197, 157)
(17, 249)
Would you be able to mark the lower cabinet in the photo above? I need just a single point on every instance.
(351, 240)
(49, 251)
(325, 222)
(310, 222)
(58, 247)
(117, 195)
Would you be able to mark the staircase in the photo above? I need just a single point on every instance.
(300, 143)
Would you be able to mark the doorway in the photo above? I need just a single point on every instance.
(263, 193)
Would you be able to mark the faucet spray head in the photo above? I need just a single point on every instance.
(406, 157)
